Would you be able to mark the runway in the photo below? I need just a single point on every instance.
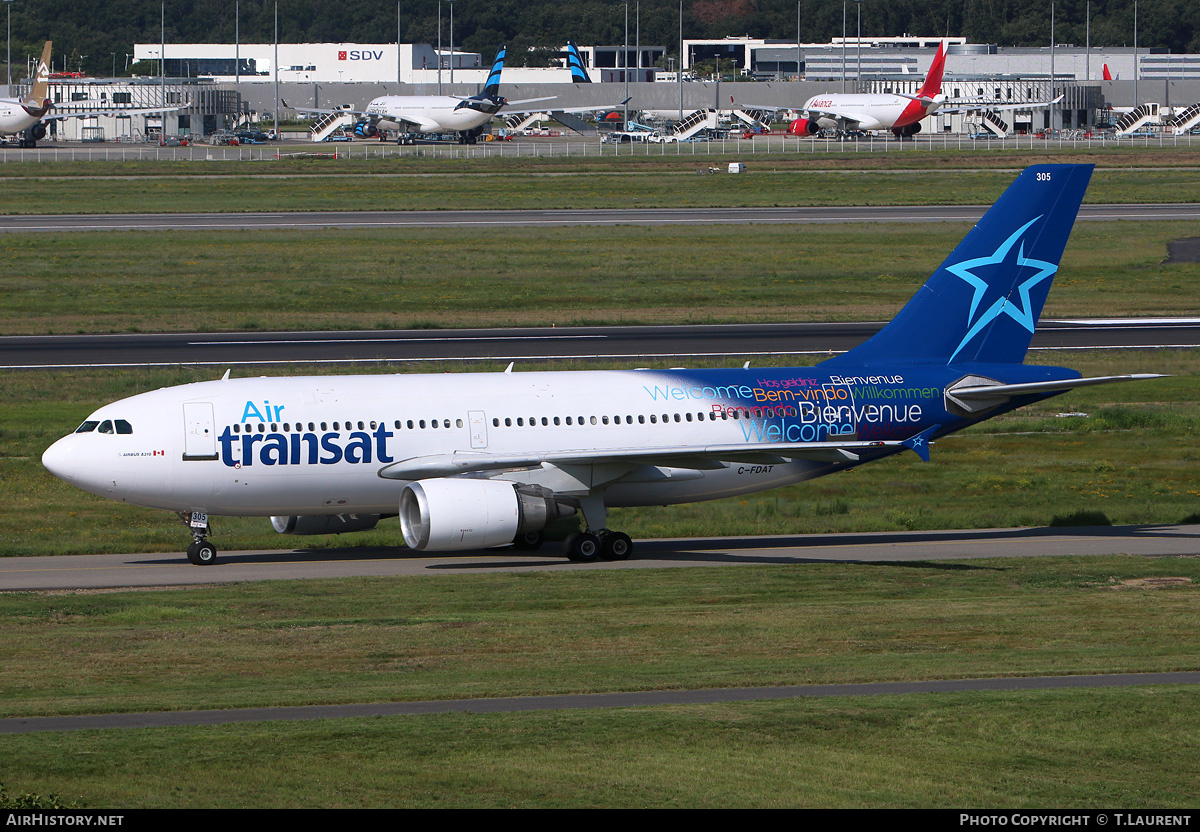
(171, 569)
(300, 220)
(534, 344)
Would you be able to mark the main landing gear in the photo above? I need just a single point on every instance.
(604, 544)
(588, 547)
(201, 552)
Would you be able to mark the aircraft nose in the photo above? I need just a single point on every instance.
(59, 460)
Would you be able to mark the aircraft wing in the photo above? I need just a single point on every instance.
(710, 457)
(113, 111)
(323, 111)
(981, 107)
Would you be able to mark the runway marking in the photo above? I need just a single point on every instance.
(319, 341)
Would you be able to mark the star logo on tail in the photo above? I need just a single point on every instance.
(1009, 257)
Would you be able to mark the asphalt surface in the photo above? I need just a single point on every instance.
(172, 569)
(556, 218)
(534, 344)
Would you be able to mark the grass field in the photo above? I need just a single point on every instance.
(89, 282)
(787, 183)
(380, 639)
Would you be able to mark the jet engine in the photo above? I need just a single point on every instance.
(804, 127)
(365, 129)
(324, 523)
(908, 130)
(445, 514)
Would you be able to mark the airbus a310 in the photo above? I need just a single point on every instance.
(473, 461)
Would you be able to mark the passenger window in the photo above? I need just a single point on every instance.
(123, 426)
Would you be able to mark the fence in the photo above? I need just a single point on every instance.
(589, 148)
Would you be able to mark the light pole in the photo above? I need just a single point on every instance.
(843, 45)
(8, 77)
(858, 72)
(625, 63)
(451, 2)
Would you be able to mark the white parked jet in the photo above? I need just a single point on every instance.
(411, 114)
(28, 116)
(902, 114)
(466, 116)
(489, 459)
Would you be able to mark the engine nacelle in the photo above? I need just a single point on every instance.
(38, 131)
(324, 523)
(804, 127)
(908, 130)
(365, 129)
(446, 514)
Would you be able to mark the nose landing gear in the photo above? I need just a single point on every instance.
(201, 552)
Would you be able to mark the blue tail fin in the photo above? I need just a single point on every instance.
(983, 303)
(492, 88)
(575, 64)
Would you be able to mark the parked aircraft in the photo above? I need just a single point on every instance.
(902, 114)
(470, 461)
(410, 114)
(466, 116)
(28, 116)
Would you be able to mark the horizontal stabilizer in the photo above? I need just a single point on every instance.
(1009, 390)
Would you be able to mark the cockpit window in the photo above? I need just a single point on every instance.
(123, 426)
(106, 426)
(87, 427)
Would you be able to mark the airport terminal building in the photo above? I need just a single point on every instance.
(219, 85)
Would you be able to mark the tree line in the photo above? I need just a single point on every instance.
(98, 38)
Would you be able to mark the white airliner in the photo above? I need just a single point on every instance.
(28, 116)
(485, 460)
(902, 114)
(466, 116)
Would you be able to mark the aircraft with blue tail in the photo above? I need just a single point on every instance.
(483, 460)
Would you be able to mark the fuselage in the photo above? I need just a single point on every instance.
(17, 116)
(870, 112)
(428, 113)
(316, 445)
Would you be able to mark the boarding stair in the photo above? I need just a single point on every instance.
(519, 121)
(324, 126)
(1136, 118)
(1185, 121)
(694, 123)
(574, 122)
(754, 119)
(994, 124)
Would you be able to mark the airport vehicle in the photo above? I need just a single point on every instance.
(27, 117)
(471, 461)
